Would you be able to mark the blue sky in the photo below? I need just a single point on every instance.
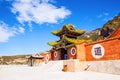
(26, 25)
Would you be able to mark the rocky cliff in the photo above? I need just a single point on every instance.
(103, 32)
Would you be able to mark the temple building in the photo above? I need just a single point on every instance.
(70, 47)
(66, 47)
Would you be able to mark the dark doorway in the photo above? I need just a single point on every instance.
(64, 54)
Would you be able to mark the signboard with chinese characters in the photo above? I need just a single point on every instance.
(98, 51)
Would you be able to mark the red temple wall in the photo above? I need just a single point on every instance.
(56, 57)
(49, 56)
(111, 50)
(80, 50)
(84, 51)
(70, 56)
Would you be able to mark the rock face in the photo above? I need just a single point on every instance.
(18, 59)
(103, 32)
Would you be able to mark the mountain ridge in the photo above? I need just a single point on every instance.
(101, 33)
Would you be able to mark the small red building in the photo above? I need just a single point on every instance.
(35, 60)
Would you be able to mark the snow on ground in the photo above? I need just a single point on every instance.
(24, 72)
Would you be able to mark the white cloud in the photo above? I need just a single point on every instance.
(99, 16)
(104, 16)
(38, 11)
(21, 29)
(105, 13)
(6, 32)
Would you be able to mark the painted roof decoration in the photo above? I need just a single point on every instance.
(68, 40)
(68, 37)
(68, 30)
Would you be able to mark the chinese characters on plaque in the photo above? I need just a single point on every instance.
(97, 51)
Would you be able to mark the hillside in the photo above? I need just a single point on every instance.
(17, 59)
(103, 32)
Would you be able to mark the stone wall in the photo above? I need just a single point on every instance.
(70, 65)
(108, 66)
